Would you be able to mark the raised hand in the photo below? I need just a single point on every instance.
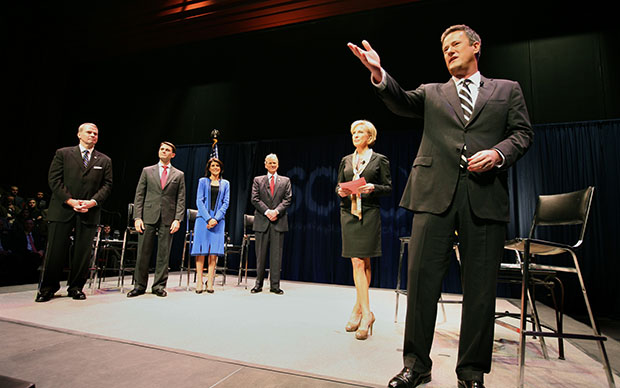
(369, 58)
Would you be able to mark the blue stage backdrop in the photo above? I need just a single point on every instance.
(564, 157)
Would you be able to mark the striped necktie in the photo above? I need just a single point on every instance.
(468, 107)
(466, 101)
(85, 158)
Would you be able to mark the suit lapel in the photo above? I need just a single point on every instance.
(77, 156)
(153, 175)
(277, 186)
(487, 87)
(449, 91)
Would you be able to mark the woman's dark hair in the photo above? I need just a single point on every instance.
(219, 163)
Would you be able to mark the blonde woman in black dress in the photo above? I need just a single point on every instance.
(360, 218)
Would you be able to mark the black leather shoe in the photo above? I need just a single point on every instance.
(161, 292)
(277, 291)
(408, 378)
(44, 296)
(470, 384)
(77, 294)
(134, 292)
(256, 290)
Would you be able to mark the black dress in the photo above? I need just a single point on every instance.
(362, 238)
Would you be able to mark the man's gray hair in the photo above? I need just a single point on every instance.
(469, 32)
(271, 156)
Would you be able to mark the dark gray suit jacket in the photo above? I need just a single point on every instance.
(151, 202)
(68, 178)
(263, 201)
(499, 120)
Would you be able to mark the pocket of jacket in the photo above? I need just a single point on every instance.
(425, 161)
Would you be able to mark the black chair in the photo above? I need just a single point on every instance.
(248, 237)
(555, 210)
(93, 267)
(129, 245)
(190, 220)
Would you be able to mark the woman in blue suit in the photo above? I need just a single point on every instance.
(212, 201)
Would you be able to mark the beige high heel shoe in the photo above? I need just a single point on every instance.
(354, 323)
(363, 333)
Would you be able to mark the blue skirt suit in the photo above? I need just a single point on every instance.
(210, 241)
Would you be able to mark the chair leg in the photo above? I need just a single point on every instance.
(525, 269)
(224, 269)
(536, 324)
(121, 266)
(396, 309)
(400, 265)
(443, 308)
(241, 257)
(601, 345)
(182, 262)
(559, 314)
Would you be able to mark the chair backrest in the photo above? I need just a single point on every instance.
(248, 222)
(191, 219)
(130, 223)
(564, 209)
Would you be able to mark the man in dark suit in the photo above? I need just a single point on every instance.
(80, 178)
(159, 207)
(474, 129)
(271, 196)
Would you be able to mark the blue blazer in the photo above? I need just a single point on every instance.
(203, 200)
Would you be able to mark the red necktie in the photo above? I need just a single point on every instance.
(164, 177)
(271, 185)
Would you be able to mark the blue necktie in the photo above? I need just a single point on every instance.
(85, 158)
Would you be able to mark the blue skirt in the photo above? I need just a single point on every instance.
(208, 241)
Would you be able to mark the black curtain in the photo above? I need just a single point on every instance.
(564, 157)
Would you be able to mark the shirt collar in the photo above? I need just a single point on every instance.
(475, 79)
(275, 175)
(82, 149)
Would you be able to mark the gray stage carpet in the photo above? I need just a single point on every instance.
(298, 335)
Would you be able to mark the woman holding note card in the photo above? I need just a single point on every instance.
(363, 177)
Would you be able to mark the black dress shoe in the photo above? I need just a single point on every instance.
(470, 383)
(77, 294)
(277, 291)
(44, 296)
(256, 290)
(160, 292)
(408, 378)
(134, 292)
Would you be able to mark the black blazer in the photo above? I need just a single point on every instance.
(499, 120)
(377, 172)
(68, 178)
